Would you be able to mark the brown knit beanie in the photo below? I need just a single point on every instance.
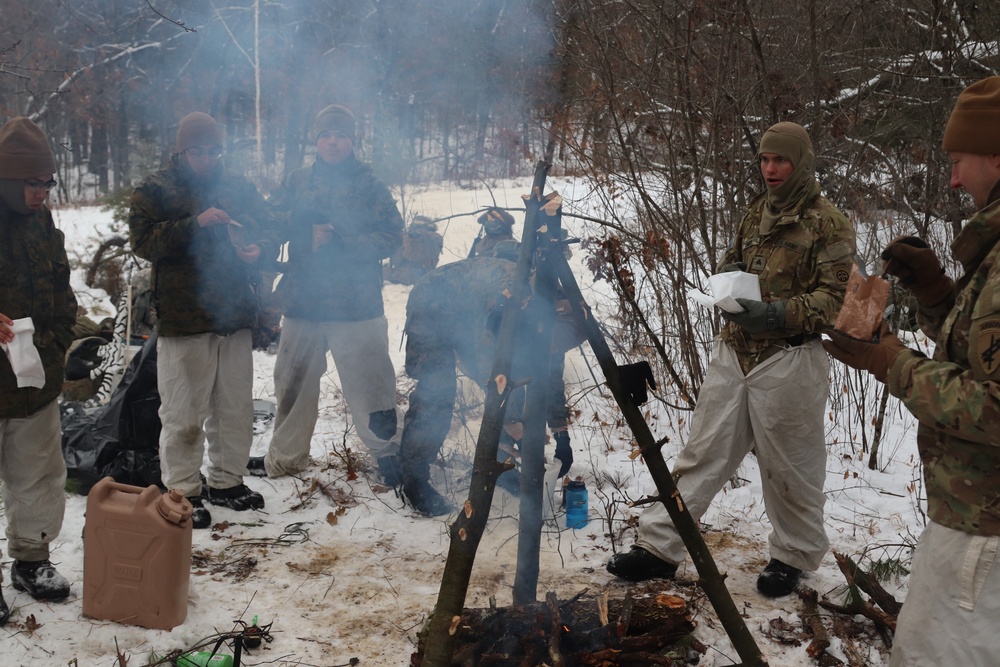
(24, 151)
(198, 129)
(336, 117)
(974, 126)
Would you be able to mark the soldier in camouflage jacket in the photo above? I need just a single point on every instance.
(766, 387)
(340, 223)
(453, 314)
(35, 291)
(953, 606)
(206, 231)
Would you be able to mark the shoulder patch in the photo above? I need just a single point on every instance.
(988, 347)
(842, 272)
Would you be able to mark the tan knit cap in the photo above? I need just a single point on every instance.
(24, 151)
(336, 117)
(974, 126)
(198, 129)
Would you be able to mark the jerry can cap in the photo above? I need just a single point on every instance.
(174, 507)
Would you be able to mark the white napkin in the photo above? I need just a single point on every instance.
(23, 355)
(725, 288)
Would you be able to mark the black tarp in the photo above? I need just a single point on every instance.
(120, 439)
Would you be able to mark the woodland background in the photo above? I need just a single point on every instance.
(658, 104)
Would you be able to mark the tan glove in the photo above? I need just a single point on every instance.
(876, 357)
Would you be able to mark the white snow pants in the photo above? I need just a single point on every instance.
(360, 352)
(206, 392)
(952, 610)
(34, 476)
(777, 410)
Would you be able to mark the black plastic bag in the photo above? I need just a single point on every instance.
(120, 439)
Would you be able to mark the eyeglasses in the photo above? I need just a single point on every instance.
(214, 152)
(38, 186)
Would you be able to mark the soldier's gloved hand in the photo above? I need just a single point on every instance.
(735, 266)
(634, 379)
(563, 451)
(758, 316)
(876, 357)
(918, 268)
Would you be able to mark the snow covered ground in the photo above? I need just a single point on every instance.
(352, 573)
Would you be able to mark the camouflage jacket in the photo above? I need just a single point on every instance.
(34, 282)
(459, 306)
(805, 261)
(956, 395)
(199, 283)
(342, 279)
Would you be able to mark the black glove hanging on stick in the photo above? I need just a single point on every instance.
(563, 451)
(634, 379)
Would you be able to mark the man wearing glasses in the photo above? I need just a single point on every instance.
(205, 229)
(37, 313)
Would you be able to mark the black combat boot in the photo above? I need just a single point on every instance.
(40, 579)
(200, 517)
(388, 467)
(425, 499)
(778, 579)
(4, 611)
(639, 565)
(239, 498)
(255, 466)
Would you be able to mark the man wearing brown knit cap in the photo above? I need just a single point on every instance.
(37, 313)
(206, 230)
(952, 609)
(341, 223)
(766, 387)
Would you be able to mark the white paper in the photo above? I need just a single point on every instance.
(23, 355)
(725, 288)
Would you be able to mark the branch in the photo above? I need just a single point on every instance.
(179, 24)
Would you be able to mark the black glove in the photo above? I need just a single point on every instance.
(383, 424)
(759, 316)
(736, 266)
(634, 379)
(563, 451)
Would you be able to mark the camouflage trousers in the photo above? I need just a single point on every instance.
(952, 609)
(431, 362)
(34, 474)
(776, 410)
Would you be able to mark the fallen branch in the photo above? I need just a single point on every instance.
(813, 623)
(857, 577)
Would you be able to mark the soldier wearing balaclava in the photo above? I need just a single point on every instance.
(766, 386)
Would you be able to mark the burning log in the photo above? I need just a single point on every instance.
(574, 633)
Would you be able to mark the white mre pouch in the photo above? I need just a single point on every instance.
(23, 355)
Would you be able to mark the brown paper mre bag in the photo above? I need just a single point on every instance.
(864, 306)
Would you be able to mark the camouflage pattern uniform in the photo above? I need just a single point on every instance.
(332, 300)
(768, 392)
(953, 601)
(956, 395)
(420, 253)
(454, 312)
(205, 307)
(34, 282)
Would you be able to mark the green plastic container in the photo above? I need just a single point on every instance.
(205, 659)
